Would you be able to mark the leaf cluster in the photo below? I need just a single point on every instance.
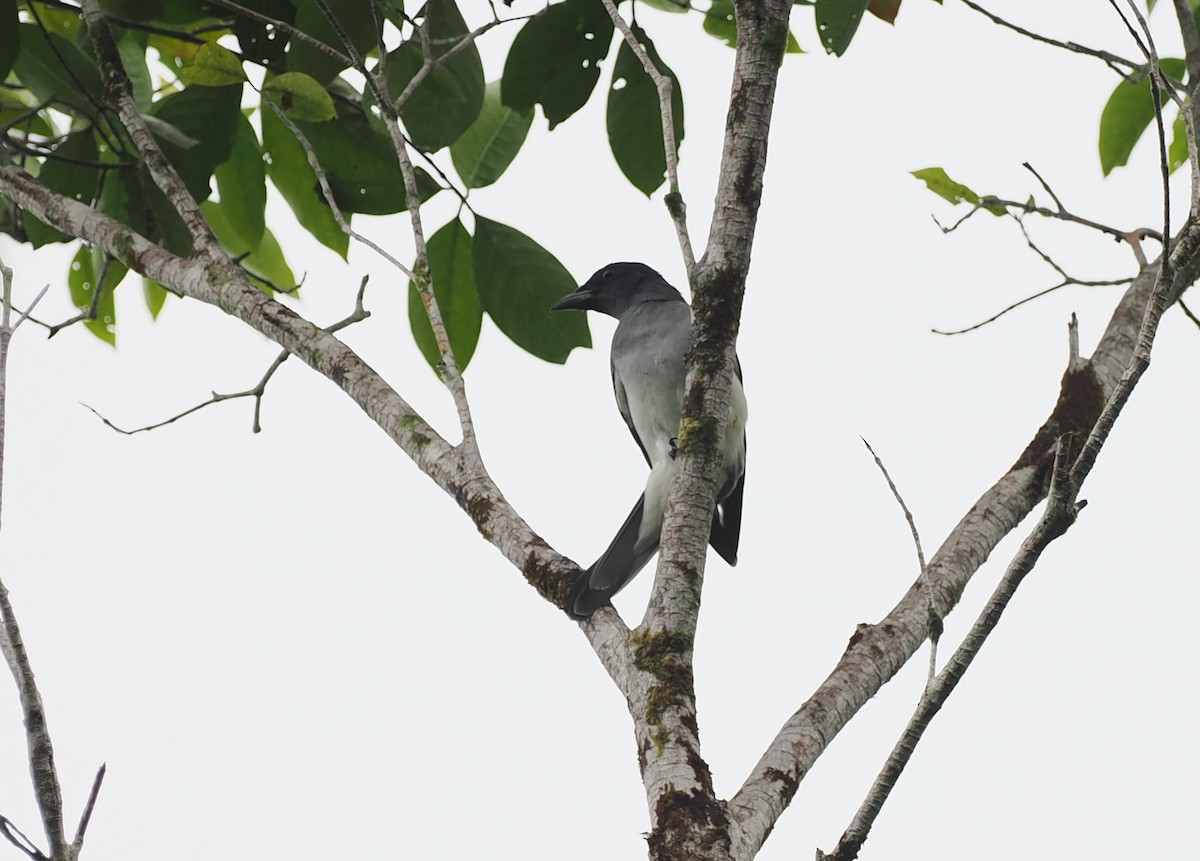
(211, 78)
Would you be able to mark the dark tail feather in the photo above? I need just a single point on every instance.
(727, 524)
(619, 564)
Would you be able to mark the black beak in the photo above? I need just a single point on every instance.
(580, 300)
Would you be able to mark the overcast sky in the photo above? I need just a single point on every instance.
(294, 645)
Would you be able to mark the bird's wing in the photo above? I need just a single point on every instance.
(628, 553)
(623, 406)
(726, 528)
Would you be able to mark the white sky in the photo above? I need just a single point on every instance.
(294, 645)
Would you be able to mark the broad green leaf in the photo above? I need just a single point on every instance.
(356, 21)
(555, 58)
(360, 164)
(300, 96)
(1129, 111)
(10, 36)
(191, 11)
(453, 276)
(134, 10)
(208, 115)
(634, 119)
(837, 22)
(260, 43)
(1177, 155)
(83, 280)
(943, 186)
(70, 170)
(214, 66)
(155, 295)
(264, 260)
(668, 5)
(242, 184)
(62, 22)
(131, 197)
(488, 147)
(518, 280)
(132, 47)
(446, 103)
(287, 165)
(720, 23)
(14, 104)
(55, 70)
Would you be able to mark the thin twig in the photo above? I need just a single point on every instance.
(86, 817)
(1067, 280)
(1111, 60)
(17, 838)
(40, 748)
(257, 391)
(912, 524)
(1188, 312)
(663, 84)
(935, 621)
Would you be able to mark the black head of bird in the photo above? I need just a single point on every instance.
(616, 287)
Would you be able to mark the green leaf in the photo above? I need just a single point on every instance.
(208, 115)
(260, 43)
(14, 104)
(134, 10)
(518, 280)
(155, 295)
(489, 146)
(719, 22)
(837, 22)
(242, 184)
(214, 66)
(264, 260)
(361, 165)
(1177, 155)
(300, 96)
(450, 267)
(10, 36)
(357, 22)
(634, 120)
(72, 170)
(1129, 111)
(554, 59)
(132, 48)
(54, 69)
(447, 102)
(83, 279)
(130, 196)
(287, 165)
(668, 5)
(943, 186)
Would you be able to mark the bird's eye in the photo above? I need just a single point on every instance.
(605, 274)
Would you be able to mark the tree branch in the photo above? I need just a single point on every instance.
(1060, 513)
(663, 84)
(222, 284)
(37, 734)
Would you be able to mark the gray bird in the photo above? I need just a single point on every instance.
(653, 334)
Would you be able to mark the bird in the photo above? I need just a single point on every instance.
(648, 362)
